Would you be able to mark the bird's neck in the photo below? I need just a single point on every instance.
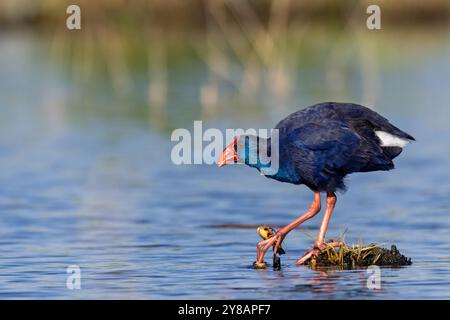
(258, 154)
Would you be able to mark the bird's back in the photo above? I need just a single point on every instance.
(350, 113)
(327, 141)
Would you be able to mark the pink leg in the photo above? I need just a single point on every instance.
(319, 243)
(279, 236)
(331, 202)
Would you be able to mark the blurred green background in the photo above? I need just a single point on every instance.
(170, 62)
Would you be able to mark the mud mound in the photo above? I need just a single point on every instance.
(351, 257)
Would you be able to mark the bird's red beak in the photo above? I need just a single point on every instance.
(228, 155)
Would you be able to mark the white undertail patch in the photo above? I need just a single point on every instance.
(390, 140)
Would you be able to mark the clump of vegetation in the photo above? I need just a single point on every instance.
(355, 256)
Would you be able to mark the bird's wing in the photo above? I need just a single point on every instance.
(336, 147)
(316, 136)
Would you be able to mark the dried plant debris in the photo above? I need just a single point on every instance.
(356, 256)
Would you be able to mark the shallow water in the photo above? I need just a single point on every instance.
(102, 193)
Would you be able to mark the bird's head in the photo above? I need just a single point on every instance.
(244, 149)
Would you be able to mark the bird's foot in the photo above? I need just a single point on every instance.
(315, 251)
(264, 245)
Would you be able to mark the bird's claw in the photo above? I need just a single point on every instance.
(315, 251)
(306, 256)
(264, 245)
(279, 240)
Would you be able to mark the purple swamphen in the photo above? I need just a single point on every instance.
(318, 147)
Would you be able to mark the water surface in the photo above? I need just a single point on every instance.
(83, 182)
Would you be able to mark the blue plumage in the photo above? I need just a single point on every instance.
(318, 147)
(323, 143)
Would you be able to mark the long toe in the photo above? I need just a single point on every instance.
(316, 250)
(306, 256)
